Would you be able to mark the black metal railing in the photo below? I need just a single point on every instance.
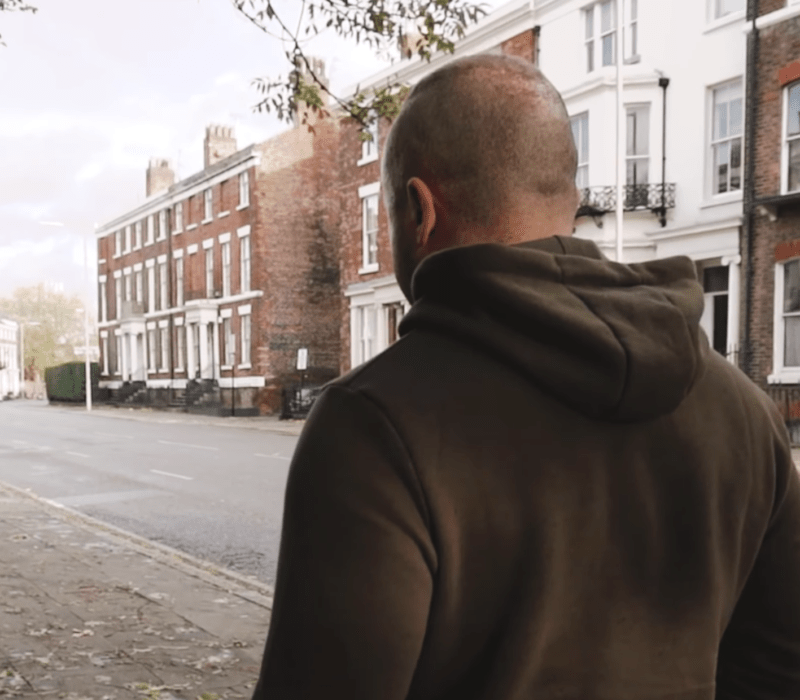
(296, 401)
(597, 201)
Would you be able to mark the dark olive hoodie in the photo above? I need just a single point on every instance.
(549, 487)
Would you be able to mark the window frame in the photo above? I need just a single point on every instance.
(781, 374)
(127, 248)
(180, 348)
(209, 272)
(179, 282)
(245, 340)
(152, 351)
(149, 230)
(786, 138)
(151, 288)
(103, 302)
(178, 217)
(583, 166)
(712, 176)
(208, 204)
(593, 17)
(367, 193)
(369, 147)
(163, 286)
(244, 189)
(225, 254)
(244, 264)
(226, 332)
(630, 109)
(163, 344)
(117, 243)
(717, 15)
(137, 235)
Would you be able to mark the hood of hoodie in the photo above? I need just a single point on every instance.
(615, 342)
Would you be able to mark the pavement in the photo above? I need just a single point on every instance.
(270, 424)
(90, 611)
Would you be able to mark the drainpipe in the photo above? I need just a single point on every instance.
(663, 83)
(751, 111)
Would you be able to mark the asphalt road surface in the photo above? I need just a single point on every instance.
(215, 492)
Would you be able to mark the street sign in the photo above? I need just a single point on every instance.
(302, 359)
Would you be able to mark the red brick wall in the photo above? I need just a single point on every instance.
(767, 6)
(779, 46)
(295, 258)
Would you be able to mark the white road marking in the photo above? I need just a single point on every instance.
(277, 455)
(94, 499)
(76, 454)
(186, 444)
(176, 476)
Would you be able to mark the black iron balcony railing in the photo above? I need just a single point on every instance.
(597, 201)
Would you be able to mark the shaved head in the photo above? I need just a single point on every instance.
(479, 132)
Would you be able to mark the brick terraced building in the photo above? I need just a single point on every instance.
(207, 291)
(771, 304)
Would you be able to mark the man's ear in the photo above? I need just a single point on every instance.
(421, 199)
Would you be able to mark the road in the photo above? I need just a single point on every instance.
(215, 492)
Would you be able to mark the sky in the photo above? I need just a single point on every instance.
(92, 89)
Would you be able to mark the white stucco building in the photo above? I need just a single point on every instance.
(9, 358)
(683, 102)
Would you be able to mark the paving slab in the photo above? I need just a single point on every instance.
(90, 611)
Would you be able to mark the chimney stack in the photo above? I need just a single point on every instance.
(317, 66)
(160, 176)
(218, 144)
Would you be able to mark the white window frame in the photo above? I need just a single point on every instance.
(245, 322)
(711, 179)
(369, 147)
(641, 108)
(149, 237)
(717, 14)
(163, 287)
(225, 254)
(163, 342)
(103, 301)
(244, 263)
(179, 281)
(365, 193)
(151, 288)
(104, 344)
(209, 269)
(118, 293)
(137, 276)
(786, 139)
(226, 331)
(244, 189)
(593, 41)
(582, 173)
(127, 248)
(117, 243)
(152, 350)
(178, 217)
(137, 235)
(208, 205)
(128, 285)
(180, 348)
(780, 373)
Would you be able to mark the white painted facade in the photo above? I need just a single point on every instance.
(682, 41)
(9, 359)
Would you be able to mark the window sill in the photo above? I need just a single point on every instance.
(728, 19)
(147, 243)
(785, 376)
(207, 221)
(242, 206)
(222, 214)
(368, 159)
(177, 231)
(247, 365)
(720, 200)
(161, 238)
(226, 367)
(191, 227)
(636, 58)
(367, 269)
